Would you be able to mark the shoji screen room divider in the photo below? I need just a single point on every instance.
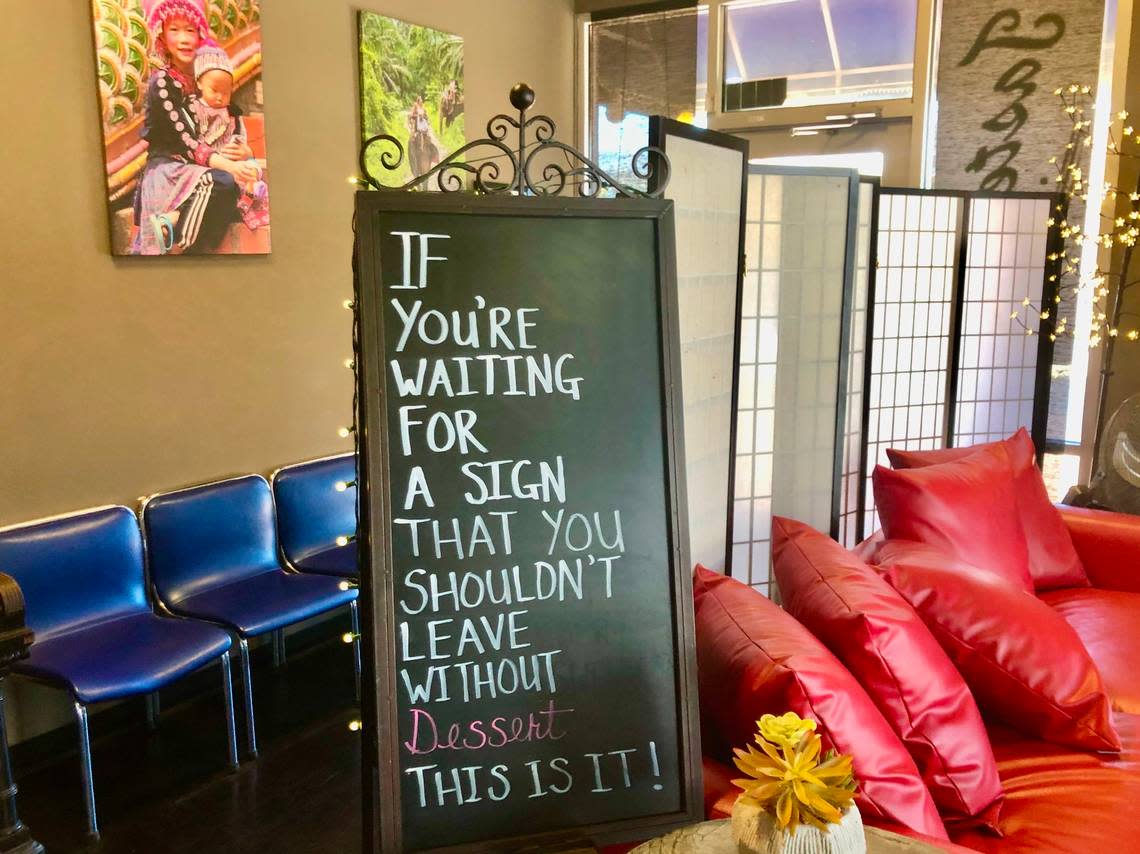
(800, 240)
(707, 186)
(958, 352)
(874, 318)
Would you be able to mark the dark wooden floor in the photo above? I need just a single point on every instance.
(168, 791)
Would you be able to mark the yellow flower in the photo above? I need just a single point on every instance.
(785, 730)
(794, 785)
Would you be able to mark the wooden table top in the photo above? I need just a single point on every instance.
(715, 837)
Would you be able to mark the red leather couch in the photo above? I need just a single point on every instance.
(1057, 799)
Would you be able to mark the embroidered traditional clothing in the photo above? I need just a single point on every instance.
(177, 176)
(216, 125)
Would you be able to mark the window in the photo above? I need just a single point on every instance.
(789, 53)
(642, 65)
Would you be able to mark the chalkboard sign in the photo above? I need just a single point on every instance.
(526, 577)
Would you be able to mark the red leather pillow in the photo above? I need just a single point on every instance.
(753, 658)
(1024, 664)
(965, 508)
(885, 645)
(1053, 561)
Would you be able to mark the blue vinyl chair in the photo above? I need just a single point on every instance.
(212, 553)
(96, 636)
(316, 504)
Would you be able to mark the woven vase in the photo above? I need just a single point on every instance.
(755, 832)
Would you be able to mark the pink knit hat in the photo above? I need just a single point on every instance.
(158, 12)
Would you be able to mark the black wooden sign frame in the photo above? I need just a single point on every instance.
(380, 766)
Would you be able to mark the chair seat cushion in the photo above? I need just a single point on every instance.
(1059, 801)
(1108, 623)
(133, 654)
(265, 602)
(340, 561)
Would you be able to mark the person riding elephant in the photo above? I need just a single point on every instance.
(423, 149)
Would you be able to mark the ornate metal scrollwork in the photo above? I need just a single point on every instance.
(498, 168)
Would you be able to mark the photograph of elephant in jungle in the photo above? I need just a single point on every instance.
(411, 88)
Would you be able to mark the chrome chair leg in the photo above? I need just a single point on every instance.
(354, 610)
(15, 838)
(278, 647)
(152, 710)
(85, 768)
(247, 680)
(231, 724)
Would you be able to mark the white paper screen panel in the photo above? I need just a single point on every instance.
(910, 354)
(705, 186)
(997, 364)
(795, 273)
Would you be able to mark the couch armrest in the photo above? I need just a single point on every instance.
(720, 793)
(1108, 545)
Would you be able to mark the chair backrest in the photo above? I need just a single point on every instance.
(76, 569)
(210, 535)
(311, 511)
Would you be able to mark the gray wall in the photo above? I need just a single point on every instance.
(124, 377)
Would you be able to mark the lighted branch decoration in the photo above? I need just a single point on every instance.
(1121, 228)
(1118, 234)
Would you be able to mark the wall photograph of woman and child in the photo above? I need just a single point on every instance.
(411, 88)
(183, 125)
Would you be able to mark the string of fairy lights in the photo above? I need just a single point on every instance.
(1120, 230)
(345, 432)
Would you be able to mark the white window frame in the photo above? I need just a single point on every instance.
(911, 109)
(582, 118)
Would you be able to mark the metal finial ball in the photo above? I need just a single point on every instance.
(522, 96)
